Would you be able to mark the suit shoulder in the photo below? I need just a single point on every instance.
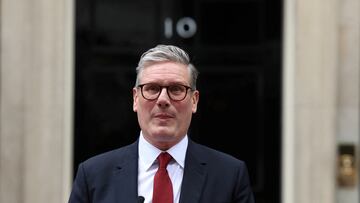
(213, 155)
(110, 158)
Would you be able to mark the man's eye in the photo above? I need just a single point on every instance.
(176, 88)
(152, 88)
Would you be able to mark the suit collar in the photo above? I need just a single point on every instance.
(194, 175)
(125, 174)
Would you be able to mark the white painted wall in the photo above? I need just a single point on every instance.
(349, 86)
(36, 64)
(321, 97)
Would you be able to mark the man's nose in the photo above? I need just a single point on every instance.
(163, 99)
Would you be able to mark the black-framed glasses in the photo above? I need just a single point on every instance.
(152, 91)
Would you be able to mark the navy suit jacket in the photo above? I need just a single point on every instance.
(210, 176)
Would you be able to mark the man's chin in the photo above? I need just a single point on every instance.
(164, 134)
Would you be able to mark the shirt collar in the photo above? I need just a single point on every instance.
(148, 153)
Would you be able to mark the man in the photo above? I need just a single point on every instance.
(164, 98)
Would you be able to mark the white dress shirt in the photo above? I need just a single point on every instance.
(148, 166)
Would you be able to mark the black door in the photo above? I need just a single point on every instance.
(235, 44)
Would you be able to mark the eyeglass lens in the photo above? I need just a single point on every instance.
(176, 92)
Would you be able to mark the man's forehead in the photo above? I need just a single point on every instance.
(165, 78)
(166, 68)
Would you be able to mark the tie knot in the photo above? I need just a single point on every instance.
(164, 158)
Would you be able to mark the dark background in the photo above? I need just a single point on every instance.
(237, 49)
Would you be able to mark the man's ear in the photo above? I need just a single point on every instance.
(195, 100)
(135, 97)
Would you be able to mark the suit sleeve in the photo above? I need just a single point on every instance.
(80, 193)
(243, 190)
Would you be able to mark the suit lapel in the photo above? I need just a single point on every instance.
(194, 176)
(125, 175)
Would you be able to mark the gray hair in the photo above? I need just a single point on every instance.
(162, 53)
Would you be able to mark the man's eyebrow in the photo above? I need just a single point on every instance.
(170, 83)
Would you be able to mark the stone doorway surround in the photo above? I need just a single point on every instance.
(320, 97)
(36, 87)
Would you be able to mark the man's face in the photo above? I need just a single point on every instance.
(164, 122)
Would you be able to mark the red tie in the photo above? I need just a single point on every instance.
(163, 192)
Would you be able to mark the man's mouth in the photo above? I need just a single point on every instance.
(163, 116)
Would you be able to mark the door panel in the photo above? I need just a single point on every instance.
(234, 44)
